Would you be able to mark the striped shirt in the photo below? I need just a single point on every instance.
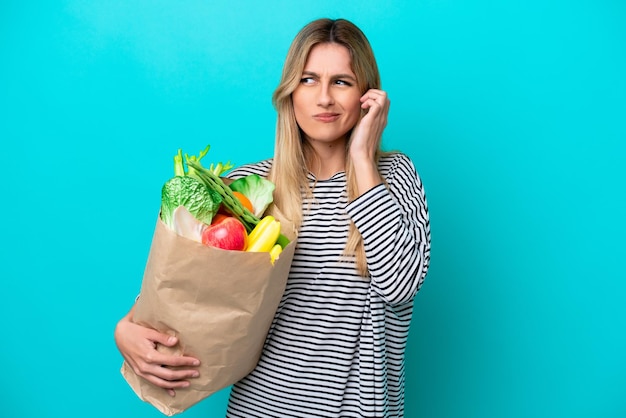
(337, 343)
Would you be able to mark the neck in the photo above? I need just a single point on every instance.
(326, 159)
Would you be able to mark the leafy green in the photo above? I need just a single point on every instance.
(257, 189)
(185, 190)
(217, 169)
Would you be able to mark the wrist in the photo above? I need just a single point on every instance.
(367, 175)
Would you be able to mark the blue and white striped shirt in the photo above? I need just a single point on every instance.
(337, 343)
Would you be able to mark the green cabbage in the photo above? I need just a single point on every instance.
(258, 190)
(184, 190)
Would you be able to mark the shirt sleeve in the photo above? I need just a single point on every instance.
(394, 223)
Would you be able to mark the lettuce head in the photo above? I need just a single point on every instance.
(258, 190)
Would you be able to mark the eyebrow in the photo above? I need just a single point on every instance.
(335, 76)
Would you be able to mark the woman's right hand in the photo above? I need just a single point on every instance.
(137, 344)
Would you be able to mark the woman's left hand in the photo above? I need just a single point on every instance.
(366, 137)
(368, 132)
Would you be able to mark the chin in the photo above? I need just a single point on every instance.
(327, 138)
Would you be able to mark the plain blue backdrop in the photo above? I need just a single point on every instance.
(513, 112)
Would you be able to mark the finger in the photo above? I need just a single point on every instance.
(165, 377)
(375, 101)
(374, 94)
(173, 375)
(159, 337)
(164, 383)
(183, 361)
(161, 359)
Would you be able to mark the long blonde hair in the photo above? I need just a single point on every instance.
(291, 152)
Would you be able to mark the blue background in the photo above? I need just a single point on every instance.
(513, 111)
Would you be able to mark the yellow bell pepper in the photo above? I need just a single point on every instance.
(275, 252)
(264, 235)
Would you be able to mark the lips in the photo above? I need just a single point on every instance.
(326, 117)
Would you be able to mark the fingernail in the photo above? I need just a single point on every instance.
(196, 363)
(195, 374)
(171, 340)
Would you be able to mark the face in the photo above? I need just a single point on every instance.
(327, 100)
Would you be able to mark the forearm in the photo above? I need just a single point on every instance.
(394, 245)
(394, 223)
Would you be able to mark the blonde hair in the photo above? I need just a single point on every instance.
(289, 168)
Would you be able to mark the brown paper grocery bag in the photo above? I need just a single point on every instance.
(220, 304)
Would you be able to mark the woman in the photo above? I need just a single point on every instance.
(336, 346)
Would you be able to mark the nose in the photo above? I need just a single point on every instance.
(325, 97)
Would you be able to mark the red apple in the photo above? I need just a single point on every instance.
(228, 234)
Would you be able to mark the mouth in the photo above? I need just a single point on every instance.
(326, 117)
